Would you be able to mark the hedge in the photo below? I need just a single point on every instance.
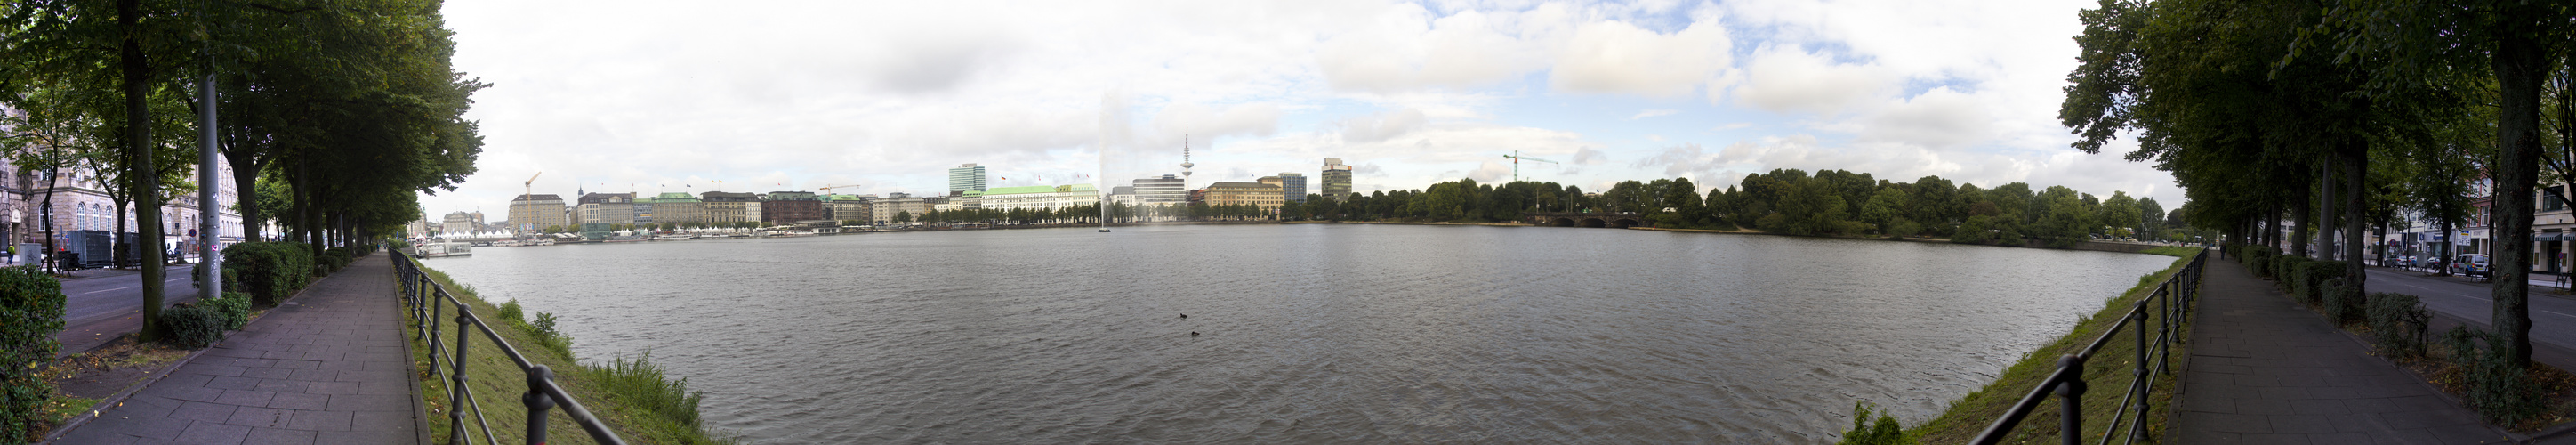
(270, 271)
(2342, 301)
(2312, 277)
(234, 306)
(192, 326)
(31, 311)
(2398, 322)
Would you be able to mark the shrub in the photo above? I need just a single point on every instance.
(234, 306)
(192, 327)
(2397, 321)
(31, 311)
(642, 383)
(2279, 270)
(2499, 391)
(2313, 276)
(2343, 301)
(270, 271)
(2257, 260)
(1882, 430)
(509, 311)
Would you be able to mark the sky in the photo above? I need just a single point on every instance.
(874, 97)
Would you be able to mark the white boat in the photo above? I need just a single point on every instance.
(434, 250)
(671, 237)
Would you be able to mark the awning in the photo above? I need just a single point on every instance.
(2549, 237)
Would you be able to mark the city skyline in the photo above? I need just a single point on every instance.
(1413, 94)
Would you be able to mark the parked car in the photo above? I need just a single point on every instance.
(2471, 265)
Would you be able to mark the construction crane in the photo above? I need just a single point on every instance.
(828, 189)
(1516, 163)
(530, 196)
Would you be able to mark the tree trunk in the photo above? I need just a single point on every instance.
(2304, 221)
(2326, 170)
(2519, 67)
(53, 180)
(2356, 160)
(138, 143)
(245, 188)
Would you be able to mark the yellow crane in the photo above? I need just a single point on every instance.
(530, 196)
(1516, 163)
(828, 189)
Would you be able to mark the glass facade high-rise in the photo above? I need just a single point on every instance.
(1337, 179)
(966, 178)
(1293, 185)
(1166, 190)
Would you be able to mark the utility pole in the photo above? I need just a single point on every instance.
(208, 221)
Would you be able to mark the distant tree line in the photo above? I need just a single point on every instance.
(1829, 202)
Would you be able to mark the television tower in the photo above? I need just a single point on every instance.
(1185, 156)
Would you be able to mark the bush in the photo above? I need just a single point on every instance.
(2312, 279)
(2499, 391)
(31, 311)
(2279, 270)
(192, 327)
(270, 271)
(2343, 301)
(2397, 321)
(1882, 430)
(509, 311)
(234, 306)
(642, 383)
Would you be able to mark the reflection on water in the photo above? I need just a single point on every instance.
(1309, 333)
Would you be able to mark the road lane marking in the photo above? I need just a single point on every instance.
(2561, 314)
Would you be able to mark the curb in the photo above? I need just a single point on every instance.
(119, 399)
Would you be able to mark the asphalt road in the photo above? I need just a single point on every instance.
(99, 309)
(2553, 316)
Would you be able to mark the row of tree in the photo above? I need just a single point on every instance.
(330, 114)
(1829, 202)
(2341, 115)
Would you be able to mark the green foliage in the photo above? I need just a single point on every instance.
(192, 326)
(1882, 430)
(2397, 321)
(509, 311)
(1901, 227)
(31, 311)
(641, 382)
(2175, 251)
(2343, 301)
(270, 271)
(234, 306)
(2312, 279)
(2497, 387)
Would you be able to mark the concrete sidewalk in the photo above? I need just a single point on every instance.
(2266, 370)
(328, 367)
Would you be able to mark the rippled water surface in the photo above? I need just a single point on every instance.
(1308, 333)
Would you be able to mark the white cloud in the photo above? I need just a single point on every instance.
(1404, 48)
(1654, 113)
(1617, 57)
(1790, 80)
(1940, 118)
(1381, 127)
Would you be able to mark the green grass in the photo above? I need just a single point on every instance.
(62, 407)
(638, 412)
(2107, 377)
(2175, 251)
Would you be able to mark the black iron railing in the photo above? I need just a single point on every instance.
(427, 300)
(2167, 308)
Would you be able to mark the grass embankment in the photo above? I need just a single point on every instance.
(632, 396)
(2106, 377)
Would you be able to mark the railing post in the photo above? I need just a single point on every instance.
(538, 402)
(2070, 397)
(456, 402)
(2145, 383)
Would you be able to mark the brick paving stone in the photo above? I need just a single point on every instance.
(2266, 370)
(326, 367)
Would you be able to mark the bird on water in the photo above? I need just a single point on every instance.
(1194, 333)
(1185, 315)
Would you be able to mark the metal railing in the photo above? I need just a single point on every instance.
(2167, 307)
(427, 300)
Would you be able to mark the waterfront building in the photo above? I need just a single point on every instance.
(966, 178)
(1264, 196)
(884, 210)
(1337, 179)
(678, 207)
(847, 207)
(533, 213)
(1123, 195)
(1293, 185)
(782, 208)
(1040, 197)
(80, 203)
(604, 208)
(1165, 190)
(457, 224)
(733, 207)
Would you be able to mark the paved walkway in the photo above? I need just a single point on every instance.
(327, 367)
(2266, 370)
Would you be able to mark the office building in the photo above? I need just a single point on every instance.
(679, 208)
(1264, 196)
(1337, 179)
(1293, 185)
(534, 213)
(966, 178)
(782, 208)
(1166, 190)
(732, 207)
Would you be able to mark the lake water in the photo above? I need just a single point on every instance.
(1307, 333)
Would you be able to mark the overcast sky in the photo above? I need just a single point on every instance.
(881, 96)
